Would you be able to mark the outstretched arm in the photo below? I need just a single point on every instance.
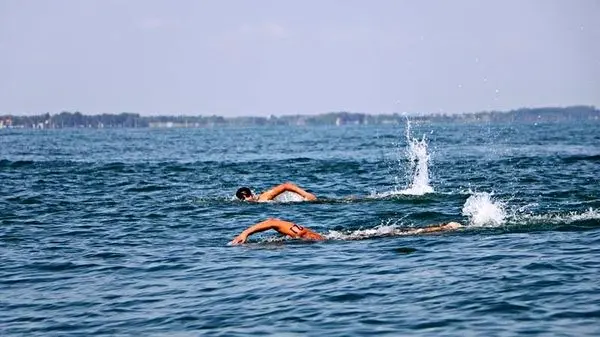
(284, 227)
(443, 227)
(277, 190)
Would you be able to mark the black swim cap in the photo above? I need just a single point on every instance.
(243, 192)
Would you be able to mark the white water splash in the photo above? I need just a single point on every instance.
(288, 196)
(385, 229)
(418, 166)
(483, 211)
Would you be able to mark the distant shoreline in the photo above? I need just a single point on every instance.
(133, 120)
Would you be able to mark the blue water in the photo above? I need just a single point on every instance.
(124, 232)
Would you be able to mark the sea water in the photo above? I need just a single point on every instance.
(124, 232)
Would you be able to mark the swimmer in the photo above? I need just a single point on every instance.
(299, 232)
(245, 194)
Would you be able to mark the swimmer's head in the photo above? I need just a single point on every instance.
(244, 193)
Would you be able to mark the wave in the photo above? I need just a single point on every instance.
(577, 158)
(5, 163)
(179, 166)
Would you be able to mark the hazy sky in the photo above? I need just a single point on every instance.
(235, 58)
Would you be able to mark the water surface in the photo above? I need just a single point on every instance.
(125, 231)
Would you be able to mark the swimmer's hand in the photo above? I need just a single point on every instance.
(239, 239)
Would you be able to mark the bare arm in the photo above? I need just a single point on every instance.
(443, 227)
(277, 190)
(284, 227)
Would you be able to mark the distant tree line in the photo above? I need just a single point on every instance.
(133, 120)
(76, 120)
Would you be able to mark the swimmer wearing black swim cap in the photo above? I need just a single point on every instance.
(245, 194)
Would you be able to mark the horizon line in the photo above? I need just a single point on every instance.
(300, 114)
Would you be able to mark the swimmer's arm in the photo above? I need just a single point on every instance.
(283, 227)
(443, 227)
(277, 190)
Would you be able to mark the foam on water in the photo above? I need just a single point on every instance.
(483, 211)
(389, 227)
(557, 219)
(361, 233)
